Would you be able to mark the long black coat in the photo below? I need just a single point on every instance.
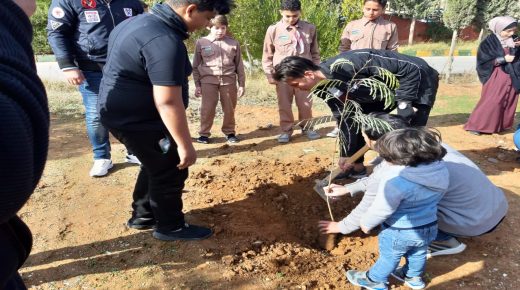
(490, 53)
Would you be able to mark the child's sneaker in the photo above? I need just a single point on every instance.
(184, 233)
(203, 140)
(311, 134)
(284, 138)
(448, 247)
(414, 282)
(359, 278)
(334, 133)
(132, 159)
(231, 138)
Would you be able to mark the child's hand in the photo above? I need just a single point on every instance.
(334, 190)
(344, 165)
(364, 229)
(241, 91)
(328, 227)
(509, 58)
(198, 92)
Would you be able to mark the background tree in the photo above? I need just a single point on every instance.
(487, 10)
(351, 10)
(457, 14)
(416, 9)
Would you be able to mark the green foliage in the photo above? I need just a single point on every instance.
(351, 10)
(415, 8)
(437, 32)
(459, 13)
(488, 9)
(39, 22)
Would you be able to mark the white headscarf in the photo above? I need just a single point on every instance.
(498, 24)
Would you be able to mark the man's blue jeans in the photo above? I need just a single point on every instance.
(394, 244)
(97, 133)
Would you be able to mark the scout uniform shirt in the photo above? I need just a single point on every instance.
(282, 40)
(218, 62)
(363, 33)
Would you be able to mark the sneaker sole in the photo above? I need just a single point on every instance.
(357, 284)
(102, 174)
(139, 227)
(131, 161)
(414, 287)
(164, 237)
(452, 251)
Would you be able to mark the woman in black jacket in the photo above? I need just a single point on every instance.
(24, 135)
(498, 68)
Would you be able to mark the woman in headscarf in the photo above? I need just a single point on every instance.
(498, 68)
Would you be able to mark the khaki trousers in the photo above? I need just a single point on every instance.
(210, 98)
(285, 99)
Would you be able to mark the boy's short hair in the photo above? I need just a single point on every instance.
(219, 20)
(380, 2)
(291, 5)
(411, 146)
(395, 121)
(220, 6)
(293, 67)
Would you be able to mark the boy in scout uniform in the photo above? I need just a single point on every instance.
(371, 31)
(290, 36)
(217, 64)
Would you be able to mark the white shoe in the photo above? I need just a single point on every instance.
(311, 134)
(449, 247)
(334, 133)
(284, 138)
(131, 158)
(100, 167)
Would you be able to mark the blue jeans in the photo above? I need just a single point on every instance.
(394, 244)
(97, 133)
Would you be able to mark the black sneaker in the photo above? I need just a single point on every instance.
(231, 138)
(141, 223)
(185, 233)
(203, 140)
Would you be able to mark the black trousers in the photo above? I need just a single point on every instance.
(158, 189)
(15, 246)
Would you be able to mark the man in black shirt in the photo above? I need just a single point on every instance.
(414, 97)
(143, 96)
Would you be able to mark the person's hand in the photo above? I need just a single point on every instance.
(328, 227)
(271, 80)
(335, 190)
(509, 58)
(241, 91)
(364, 229)
(198, 92)
(187, 155)
(344, 165)
(74, 76)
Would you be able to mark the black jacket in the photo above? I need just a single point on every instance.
(78, 30)
(24, 135)
(418, 81)
(490, 53)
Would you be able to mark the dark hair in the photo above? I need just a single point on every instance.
(512, 25)
(219, 6)
(293, 67)
(395, 121)
(411, 146)
(219, 20)
(380, 2)
(291, 5)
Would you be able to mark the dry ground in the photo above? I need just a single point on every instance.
(257, 196)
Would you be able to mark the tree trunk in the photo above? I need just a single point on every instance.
(249, 59)
(450, 56)
(412, 31)
(481, 35)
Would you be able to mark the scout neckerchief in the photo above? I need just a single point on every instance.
(297, 39)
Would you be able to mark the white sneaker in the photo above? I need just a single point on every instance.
(334, 133)
(449, 247)
(284, 138)
(131, 158)
(100, 167)
(311, 134)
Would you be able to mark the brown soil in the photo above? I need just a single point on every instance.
(257, 196)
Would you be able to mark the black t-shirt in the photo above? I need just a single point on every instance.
(143, 51)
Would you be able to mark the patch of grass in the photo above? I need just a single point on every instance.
(439, 45)
(64, 100)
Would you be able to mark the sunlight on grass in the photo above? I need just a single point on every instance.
(439, 45)
(64, 99)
